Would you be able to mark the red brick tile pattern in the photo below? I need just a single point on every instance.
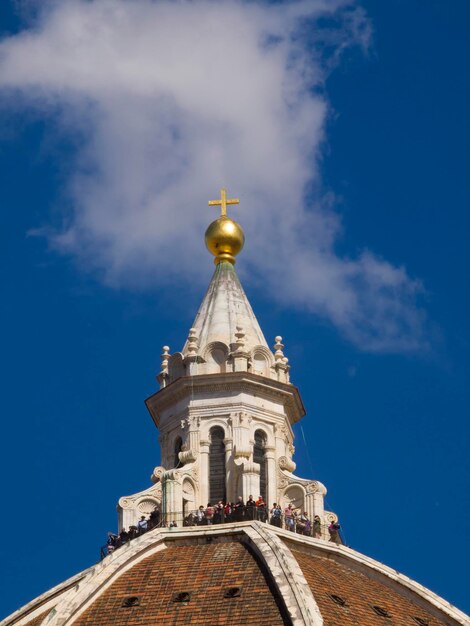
(205, 571)
(326, 577)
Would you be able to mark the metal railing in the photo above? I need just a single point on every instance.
(295, 524)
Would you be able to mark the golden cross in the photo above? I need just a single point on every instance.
(223, 202)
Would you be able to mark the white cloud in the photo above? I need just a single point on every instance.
(174, 99)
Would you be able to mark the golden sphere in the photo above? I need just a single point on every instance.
(224, 239)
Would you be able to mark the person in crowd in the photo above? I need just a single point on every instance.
(219, 512)
(123, 537)
(317, 527)
(334, 529)
(209, 514)
(201, 516)
(304, 525)
(228, 508)
(289, 517)
(190, 520)
(111, 542)
(142, 525)
(300, 525)
(133, 532)
(250, 508)
(154, 519)
(276, 515)
(261, 514)
(238, 510)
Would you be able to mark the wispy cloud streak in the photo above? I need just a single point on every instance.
(171, 100)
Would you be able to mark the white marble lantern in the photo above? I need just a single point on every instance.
(225, 408)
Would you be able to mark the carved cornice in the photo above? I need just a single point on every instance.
(212, 384)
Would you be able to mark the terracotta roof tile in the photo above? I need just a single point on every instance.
(326, 577)
(206, 572)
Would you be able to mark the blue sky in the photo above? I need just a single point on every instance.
(95, 280)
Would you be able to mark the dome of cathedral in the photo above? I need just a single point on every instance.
(247, 573)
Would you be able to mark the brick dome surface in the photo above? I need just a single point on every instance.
(208, 573)
(332, 584)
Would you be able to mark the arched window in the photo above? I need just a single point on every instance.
(216, 465)
(178, 448)
(259, 456)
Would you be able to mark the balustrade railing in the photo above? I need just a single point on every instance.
(296, 524)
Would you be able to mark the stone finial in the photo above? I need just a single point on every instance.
(192, 342)
(165, 358)
(240, 339)
(278, 346)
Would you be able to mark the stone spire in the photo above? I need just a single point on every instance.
(224, 308)
(225, 336)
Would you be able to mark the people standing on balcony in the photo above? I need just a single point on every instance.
(289, 517)
(154, 519)
(276, 515)
(228, 508)
(261, 509)
(334, 529)
(123, 537)
(317, 527)
(239, 510)
(201, 516)
(133, 532)
(250, 509)
(111, 542)
(304, 525)
(219, 512)
(209, 514)
(142, 525)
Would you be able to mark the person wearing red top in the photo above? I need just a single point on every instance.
(209, 513)
(261, 509)
(228, 512)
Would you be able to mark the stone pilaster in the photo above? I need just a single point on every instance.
(204, 477)
(250, 480)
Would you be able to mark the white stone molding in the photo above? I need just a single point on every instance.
(288, 577)
(213, 385)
